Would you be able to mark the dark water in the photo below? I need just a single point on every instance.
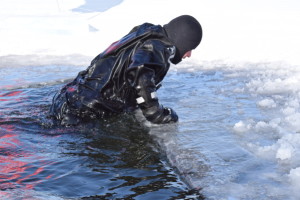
(105, 159)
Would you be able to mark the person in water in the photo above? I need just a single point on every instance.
(128, 73)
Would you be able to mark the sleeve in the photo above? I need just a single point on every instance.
(148, 101)
(145, 65)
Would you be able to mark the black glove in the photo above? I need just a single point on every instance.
(160, 115)
(169, 115)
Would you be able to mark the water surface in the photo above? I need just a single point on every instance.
(114, 158)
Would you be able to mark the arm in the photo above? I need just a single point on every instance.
(148, 102)
(149, 64)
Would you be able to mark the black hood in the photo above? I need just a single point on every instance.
(185, 33)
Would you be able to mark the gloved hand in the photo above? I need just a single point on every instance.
(148, 101)
(169, 115)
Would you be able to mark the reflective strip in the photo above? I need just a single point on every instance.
(153, 95)
(172, 52)
(140, 100)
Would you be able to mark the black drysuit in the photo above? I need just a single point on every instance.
(122, 78)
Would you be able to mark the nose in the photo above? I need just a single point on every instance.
(187, 54)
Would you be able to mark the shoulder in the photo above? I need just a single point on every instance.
(158, 46)
(149, 29)
(141, 27)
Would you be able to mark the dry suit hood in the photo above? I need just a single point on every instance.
(185, 32)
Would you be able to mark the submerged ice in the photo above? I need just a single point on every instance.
(238, 137)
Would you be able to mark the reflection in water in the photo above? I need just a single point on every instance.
(105, 159)
(18, 169)
(15, 169)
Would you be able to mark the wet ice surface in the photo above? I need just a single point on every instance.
(238, 132)
(236, 139)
